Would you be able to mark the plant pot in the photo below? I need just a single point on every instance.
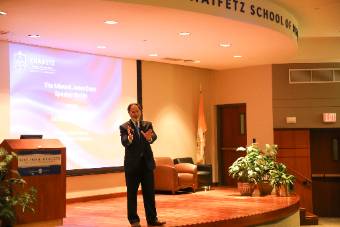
(282, 190)
(245, 188)
(265, 188)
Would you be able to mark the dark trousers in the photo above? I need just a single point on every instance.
(145, 177)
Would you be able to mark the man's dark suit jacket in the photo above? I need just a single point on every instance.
(138, 147)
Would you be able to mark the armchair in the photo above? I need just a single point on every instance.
(204, 171)
(171, 177)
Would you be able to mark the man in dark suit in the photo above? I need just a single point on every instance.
(136, 137)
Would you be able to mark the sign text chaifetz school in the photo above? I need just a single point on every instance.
(239, 6)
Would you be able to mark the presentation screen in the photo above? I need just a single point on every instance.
(78, 98)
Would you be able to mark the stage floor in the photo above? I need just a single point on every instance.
(217, 207)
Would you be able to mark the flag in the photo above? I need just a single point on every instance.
(201, 130)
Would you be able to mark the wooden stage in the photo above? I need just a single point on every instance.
(217, 207)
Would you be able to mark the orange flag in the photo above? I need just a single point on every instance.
(202, 128)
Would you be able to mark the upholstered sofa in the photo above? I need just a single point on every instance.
(171, 177)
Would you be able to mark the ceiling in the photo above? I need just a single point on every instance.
(317, 18)
(143, 30)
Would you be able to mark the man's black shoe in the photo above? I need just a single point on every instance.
(135, 224)
(156, 223)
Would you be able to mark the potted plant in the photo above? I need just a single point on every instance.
(12, 192)
(245, 170)
(281, 179)
(265, 162)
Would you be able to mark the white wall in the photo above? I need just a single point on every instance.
(4, 90)
(170, 101)
(250, 85)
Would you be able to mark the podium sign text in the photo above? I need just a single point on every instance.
(39, 162)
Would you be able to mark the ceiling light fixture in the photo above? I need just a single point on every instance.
(111, 22)
(153, 55)
(34, 36)
(237, 56)
(101, 47)
(184, 33)
(225, 45)
(2, 13)
(196, 61)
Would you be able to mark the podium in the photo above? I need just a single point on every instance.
(42, 164)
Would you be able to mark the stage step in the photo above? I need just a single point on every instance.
(308, 218)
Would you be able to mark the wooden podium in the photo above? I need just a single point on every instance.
(49, 180)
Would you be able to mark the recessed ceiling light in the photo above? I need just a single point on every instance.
(111, 22)
(237, 56)
(196, 61)
(34, 36)
(225, 45)
(2, 13)
(184, 33)
(101, 47)
(153, 55)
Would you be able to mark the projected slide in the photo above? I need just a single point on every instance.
(76, 98)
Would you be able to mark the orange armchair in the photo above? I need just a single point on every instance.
(171, 177)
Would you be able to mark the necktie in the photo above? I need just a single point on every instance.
(137, 128)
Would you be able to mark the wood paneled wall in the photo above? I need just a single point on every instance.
(294, 152)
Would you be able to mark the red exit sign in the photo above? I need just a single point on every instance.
(329, 117)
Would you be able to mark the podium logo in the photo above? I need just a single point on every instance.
(20, 61)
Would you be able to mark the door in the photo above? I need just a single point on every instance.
(232, 134)
(326, 171)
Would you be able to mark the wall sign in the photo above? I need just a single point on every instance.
(260, 12)
(329, 117)
(253, 9)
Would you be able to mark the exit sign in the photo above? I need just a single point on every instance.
(329, 117)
